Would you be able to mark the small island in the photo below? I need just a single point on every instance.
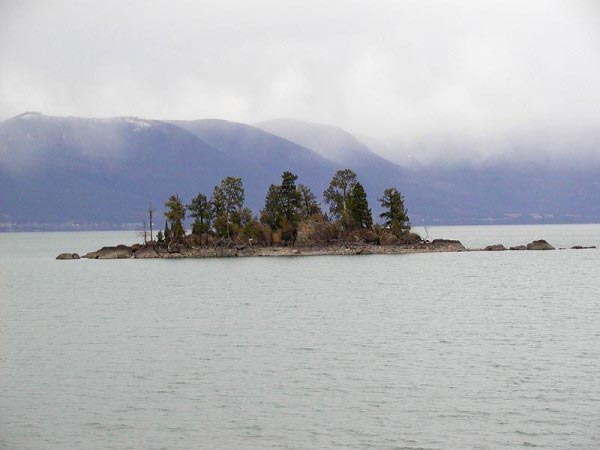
(291, 223)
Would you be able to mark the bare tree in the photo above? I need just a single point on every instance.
(144, 234)
(150, 217)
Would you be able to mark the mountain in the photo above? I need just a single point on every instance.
(275, 153)
(102, 171)
(510, 191)
(246, 144)
(105, 172)
(68, 172)
(374, 172)
(337, 144)
(501, 191)
(328, 141)
(250, 144)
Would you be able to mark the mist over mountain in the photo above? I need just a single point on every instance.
(329, 141)
(246, 144)
(103, 173)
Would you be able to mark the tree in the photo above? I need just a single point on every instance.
(175, 215)
(151, 220)
(228, 198)
(337, 195)
(160, 237)
(282, 207)
(289, 198)
(144, 233)
(167, 235)
(394, 211)
(201, 210)
(308, 202)
(271, 213)
(360, 212)
(242, 217)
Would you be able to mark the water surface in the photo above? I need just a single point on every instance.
(454, 350)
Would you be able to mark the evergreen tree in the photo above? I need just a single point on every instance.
(175, 214)
(160, 237)
(394, 211)
(241, 217)
(200, 209)
(167, 232)
(228, 198)
(359, 208)
(282, 204)
(289, 198)
(338, 194)
(282, 210)
(308, 202)
(271, 213)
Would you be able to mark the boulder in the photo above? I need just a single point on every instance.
(539, 245)
(68, 256)
(447, 244)
(580, 247)
(495, 248)
(519, 247)
(411, 238)
(118, 252)
(246, 251)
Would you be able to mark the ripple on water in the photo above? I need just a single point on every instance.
(417, 351)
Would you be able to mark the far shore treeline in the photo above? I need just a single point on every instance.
(291, 215)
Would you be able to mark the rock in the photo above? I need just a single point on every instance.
(68, 256)
(580, 247)
(228, 252)
(495, 248)
(519, 247)
(411, 238)
(447, 244)
(245, 251)
(145, 253)
(539, 245)
(118, 252)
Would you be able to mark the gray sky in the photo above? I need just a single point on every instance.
(412, 74)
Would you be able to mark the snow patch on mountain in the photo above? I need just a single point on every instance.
(139, 124)
(29, 115)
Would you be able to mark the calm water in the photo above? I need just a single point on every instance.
(464, 350)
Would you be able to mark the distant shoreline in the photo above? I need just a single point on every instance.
(135, 227)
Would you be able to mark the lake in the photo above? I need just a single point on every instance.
(430, 351)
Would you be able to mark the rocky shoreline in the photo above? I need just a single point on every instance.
(177, 251)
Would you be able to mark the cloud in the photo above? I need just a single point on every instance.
(405, 72)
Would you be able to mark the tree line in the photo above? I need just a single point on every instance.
(287, 206)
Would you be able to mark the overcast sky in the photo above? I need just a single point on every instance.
(486, 72)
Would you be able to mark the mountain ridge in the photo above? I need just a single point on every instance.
(58, 170)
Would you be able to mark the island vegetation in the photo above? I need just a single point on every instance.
(291, 216)
(291, 222)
